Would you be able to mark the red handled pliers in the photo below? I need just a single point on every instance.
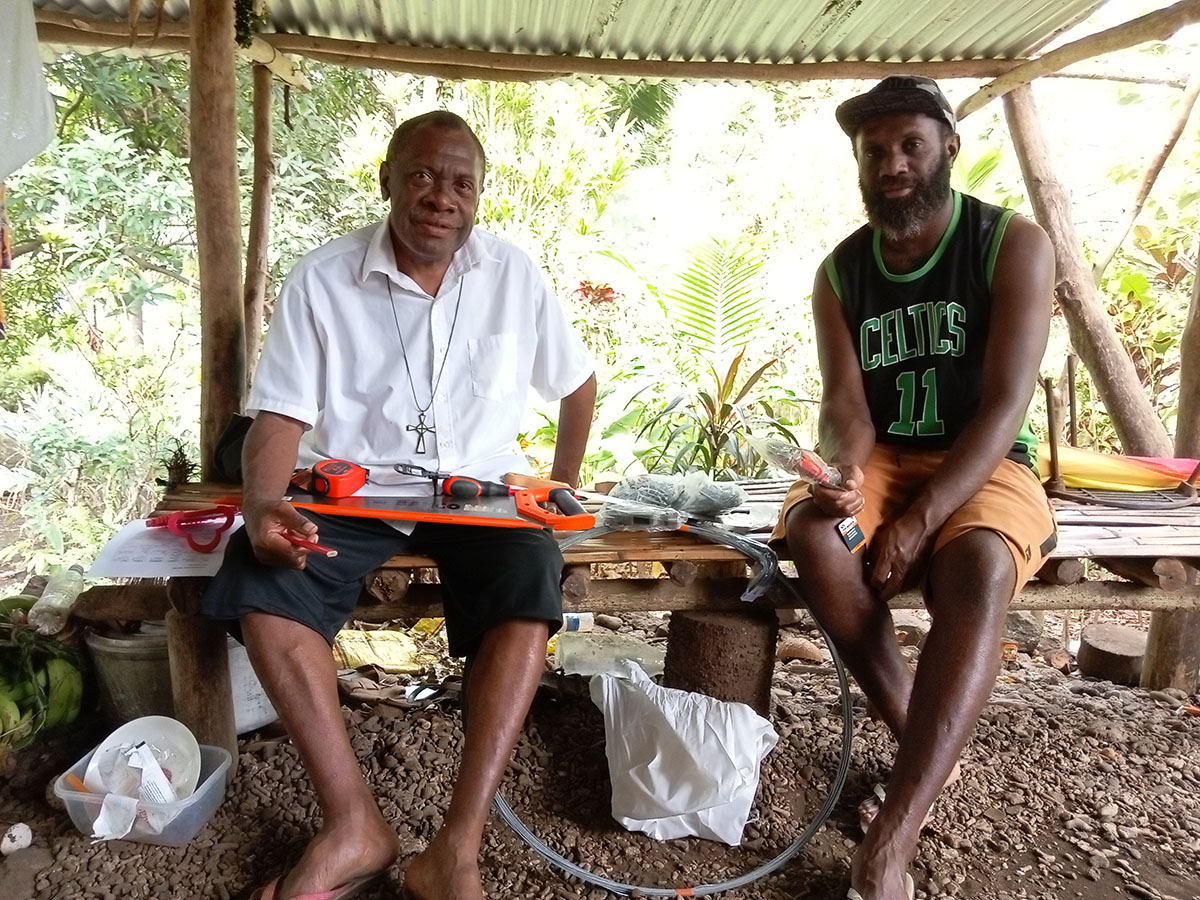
(183, 522)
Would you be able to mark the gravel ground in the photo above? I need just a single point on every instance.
(1071, 789)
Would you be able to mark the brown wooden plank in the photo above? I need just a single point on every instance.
(134, 602)
(625, 595)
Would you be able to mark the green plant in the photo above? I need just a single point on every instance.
(714, 313)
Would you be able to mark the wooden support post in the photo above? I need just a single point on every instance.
(255, 290)
(1092, 334)
(1173, 647)
(727, 655)
(214, 170)
(1173, 651)
(200, 682)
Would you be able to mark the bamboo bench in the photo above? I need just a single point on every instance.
(1157, 554)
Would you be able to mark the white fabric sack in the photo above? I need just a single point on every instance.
(26, 109)
(681, 763)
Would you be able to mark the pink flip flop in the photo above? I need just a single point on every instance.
(269, 891)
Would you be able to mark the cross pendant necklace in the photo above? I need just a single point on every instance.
(422, 428)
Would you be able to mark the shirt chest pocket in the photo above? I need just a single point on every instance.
(496, 365)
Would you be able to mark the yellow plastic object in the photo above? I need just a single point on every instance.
(393, 651)
(427, 627)
(1105, 472)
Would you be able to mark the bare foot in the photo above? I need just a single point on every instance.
(880, 877)
(342, 853)
(441, 873)
(869, 808)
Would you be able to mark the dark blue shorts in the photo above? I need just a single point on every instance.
(489, 576)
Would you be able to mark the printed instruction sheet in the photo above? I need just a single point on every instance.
(140, 552)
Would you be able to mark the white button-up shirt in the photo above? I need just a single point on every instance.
(344, 323)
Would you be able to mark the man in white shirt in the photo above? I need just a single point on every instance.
(414, 341)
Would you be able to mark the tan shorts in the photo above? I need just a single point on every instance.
(1011, 503)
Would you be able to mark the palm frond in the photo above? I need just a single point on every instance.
(718, 304)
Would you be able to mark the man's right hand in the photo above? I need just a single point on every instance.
(846, 501)
(266, 523)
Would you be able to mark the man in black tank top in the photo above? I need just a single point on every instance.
(931, 322)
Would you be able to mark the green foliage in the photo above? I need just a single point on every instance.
(1147, 287)
(246, 22)
(554, 164)
(718, 305)
(646, 107)
(714, 312)
(19, 379)
(144, 96)
(89, 445)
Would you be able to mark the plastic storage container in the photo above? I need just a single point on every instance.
(187, 816)
(134, 674)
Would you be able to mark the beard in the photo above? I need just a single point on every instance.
(900, 218)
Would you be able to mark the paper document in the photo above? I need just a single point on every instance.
(140, 552)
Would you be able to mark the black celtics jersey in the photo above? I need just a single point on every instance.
(921, 335)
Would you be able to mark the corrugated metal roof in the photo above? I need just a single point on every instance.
(755, 31)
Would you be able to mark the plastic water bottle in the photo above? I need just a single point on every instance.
(573, 621)
(49, 614)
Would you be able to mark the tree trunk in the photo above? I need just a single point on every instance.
(255, 290)
(1092, 334)
(1187, 422)
(218, 221)
(1173, 649)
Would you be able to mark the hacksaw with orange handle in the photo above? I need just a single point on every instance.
(523, 509)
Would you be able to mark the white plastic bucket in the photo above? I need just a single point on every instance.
(134, 675)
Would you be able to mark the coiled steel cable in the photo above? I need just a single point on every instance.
(768, 570)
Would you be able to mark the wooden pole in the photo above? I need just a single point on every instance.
(505, 66)
(255, 290)
(1156, 26)
(75, 30)
(1173, 647)
(1187, 421)
(218, 222)
(1092, 334)
(198, 650)
(1187, 102)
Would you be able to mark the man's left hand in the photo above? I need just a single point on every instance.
(896, 553)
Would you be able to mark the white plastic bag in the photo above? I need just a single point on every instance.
(26, 109)
(681, 763)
